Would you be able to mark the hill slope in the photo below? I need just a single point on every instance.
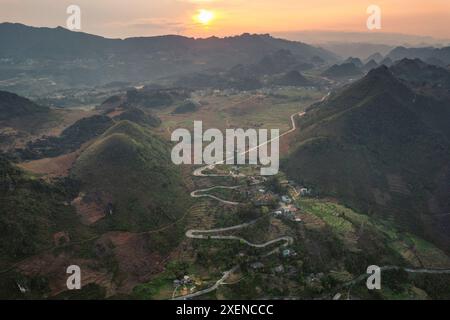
(70, 139)
(31, 212)
(20, 118)
(132, 167)
(437, 56)
(292, 78)
(382, 148)
(13, 106)
(342, 70)
(420, 75)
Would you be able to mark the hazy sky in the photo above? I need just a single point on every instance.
(114, 18)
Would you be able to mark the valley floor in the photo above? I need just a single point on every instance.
(244, 236)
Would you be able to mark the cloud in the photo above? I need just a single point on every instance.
(154, 24)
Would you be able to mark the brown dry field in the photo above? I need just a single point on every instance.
(239, 111)
(51, 167)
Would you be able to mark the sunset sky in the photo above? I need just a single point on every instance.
(113, 18)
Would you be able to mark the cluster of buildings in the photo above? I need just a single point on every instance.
(252, 180)
(289, 213)
(185, 281)
(295, 190)
(262, 197)
(285, 203)
(287, 210)
(218, 92)
(286, 253)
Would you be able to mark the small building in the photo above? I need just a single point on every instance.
(288, 253)
(176, 283)
(305, 192)
(257, 265)
(186, 280)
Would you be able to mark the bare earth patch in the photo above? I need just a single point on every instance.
(54, 167)
(115, 113)
(135, 256)
(92, 207)
(51, 167)
(54, 268)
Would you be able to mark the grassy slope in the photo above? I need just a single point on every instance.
(332, 240)
(368, 240)
(353, 229)
(70, 139)
(376, 146)
(134, 167)
(12, 106)
(127, 162)
(31, 211)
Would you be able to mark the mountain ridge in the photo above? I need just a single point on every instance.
(89, 60)
(379, 146)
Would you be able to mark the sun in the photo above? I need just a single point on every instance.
(205, 17)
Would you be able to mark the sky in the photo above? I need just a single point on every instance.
(120, 19)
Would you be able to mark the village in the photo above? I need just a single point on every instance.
(274, 195)
(279, 195)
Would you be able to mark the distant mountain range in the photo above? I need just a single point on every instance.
(377, 57)
(80, 59)
(361, 44)
(382, 145)
(347, 69)
(427, 79)
(36, 61)
(293, 79)
(53, 43)
(280, 68)
(431, 55)
(361, 39)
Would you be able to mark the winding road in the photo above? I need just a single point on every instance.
(199, 171)
(199, 194)
(219, 282)
(205, 234)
